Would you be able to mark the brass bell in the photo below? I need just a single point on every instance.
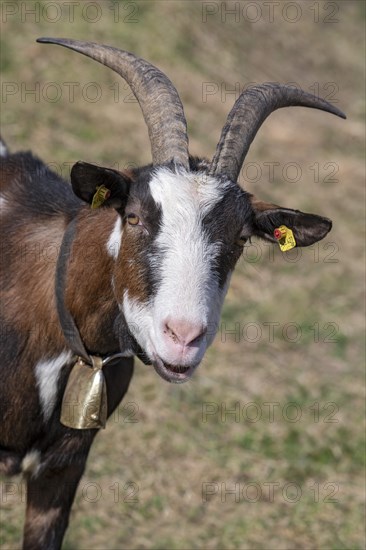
(84, 403)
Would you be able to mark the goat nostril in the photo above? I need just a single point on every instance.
(170, 332)
(183, 332)
(201, 333)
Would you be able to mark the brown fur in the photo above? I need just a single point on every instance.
(261, 206)
(89, 292)
(131, 258)
(33, 273)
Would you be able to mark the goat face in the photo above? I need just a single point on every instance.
(176, 240)
(177, 237)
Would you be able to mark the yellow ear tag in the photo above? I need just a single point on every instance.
(285, 238)
(100, 196)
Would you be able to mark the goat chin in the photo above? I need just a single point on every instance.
(173, 373)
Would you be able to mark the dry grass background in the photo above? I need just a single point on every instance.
(169, 451)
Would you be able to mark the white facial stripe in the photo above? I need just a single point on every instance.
(186, 270)
(115, 239)
(47, 373)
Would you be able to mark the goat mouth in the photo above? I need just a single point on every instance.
(176, 374)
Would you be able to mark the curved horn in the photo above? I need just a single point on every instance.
(158, 98)
(248, 114)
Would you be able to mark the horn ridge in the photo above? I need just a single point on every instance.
(158, 98)
(248, 114)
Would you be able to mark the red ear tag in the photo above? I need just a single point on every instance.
(278, 234)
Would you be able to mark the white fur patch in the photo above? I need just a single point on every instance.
(31, 462)
(189, 192)
(140, 322)
(3, 150)
(3, 205)
(47, 373)
(115, 239)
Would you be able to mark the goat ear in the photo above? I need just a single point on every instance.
(307, 228)
(100, 186)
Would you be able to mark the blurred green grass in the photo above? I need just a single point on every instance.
(171, 451)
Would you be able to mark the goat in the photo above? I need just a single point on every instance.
(165, 239)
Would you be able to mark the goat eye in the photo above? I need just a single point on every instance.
(133, 219)
(241, 241)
